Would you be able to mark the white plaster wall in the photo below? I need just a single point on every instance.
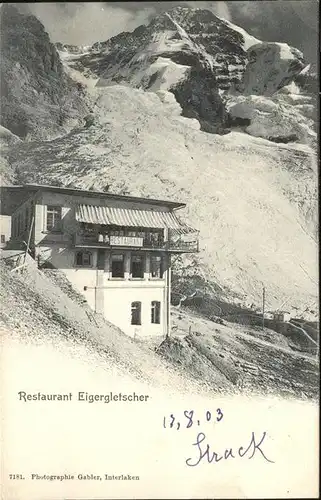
(117, 294)
(64, 258)
(5, 228)
(68, 220)
(118, 309)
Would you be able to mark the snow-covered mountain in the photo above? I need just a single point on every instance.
(209, 64)
(72, 49)
(156, 94)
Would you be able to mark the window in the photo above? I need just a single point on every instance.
(87, 228)
(154, 239)
(137, 266)
(156, 307)
(136, 310)
(3, 238)
(83, 259)
(101, 259)
(53, 218)
(117, 233)
(156, 266)
(117, 265)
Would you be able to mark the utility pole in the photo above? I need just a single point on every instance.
(263, 306)
(29, 238)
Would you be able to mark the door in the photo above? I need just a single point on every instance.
(101, 259)
(100, 281)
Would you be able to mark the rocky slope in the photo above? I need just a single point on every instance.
(39, 309)
(36, 309)
(7, 141)
(38, 99)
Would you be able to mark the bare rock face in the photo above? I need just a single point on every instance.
(307, 80)
(198, 98)
(37, 97)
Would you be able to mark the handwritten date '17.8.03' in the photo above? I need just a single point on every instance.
(189, 419)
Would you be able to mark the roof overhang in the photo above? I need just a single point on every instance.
(99, 194)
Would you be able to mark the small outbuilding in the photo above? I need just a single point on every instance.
(284, 316)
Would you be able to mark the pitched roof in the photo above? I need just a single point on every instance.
(98, 194)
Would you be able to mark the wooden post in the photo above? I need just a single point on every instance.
(29, 238)
(168, 295)
(263, 306)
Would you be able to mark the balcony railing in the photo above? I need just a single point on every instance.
(183, 246)
(104, 240)
(175, 243)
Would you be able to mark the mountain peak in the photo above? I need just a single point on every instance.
(183, 12)
(11, 14)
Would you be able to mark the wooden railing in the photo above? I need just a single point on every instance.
(173, 244)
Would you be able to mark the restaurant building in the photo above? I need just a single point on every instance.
(116, 250)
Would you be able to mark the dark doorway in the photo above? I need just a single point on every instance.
(117, 266)
(137, 266)
(101, 259)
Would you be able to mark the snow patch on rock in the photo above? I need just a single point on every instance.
(164, 73)
(168, 99)
(272, 119)
(249, 40)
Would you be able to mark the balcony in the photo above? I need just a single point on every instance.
(182, 243)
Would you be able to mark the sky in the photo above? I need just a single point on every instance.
(83, 23)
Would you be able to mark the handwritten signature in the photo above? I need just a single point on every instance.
(204, 452)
